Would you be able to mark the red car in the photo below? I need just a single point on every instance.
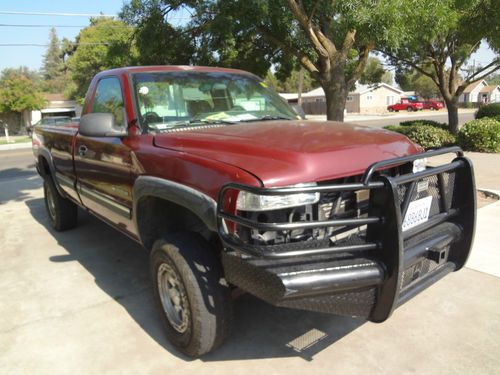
(433, 105)
(405, 105)
(225, 188)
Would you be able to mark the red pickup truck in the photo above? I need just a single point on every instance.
(216, 177)
(406, 105)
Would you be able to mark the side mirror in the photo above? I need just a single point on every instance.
(100, 125)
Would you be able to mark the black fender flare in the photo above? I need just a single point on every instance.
(45, 153)
(200, 204)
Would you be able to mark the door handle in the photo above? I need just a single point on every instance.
(82, 150)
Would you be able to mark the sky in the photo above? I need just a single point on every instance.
(31, 56)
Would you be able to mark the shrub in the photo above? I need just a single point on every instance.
(481, 135)
(488, 110)
(426, 136)
(436, 124)
(430, 136)
(397, 129)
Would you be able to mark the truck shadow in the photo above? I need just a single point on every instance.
(120, 268)
(9, 184)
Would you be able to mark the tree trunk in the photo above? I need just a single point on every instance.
(335, 95)
(452, 107)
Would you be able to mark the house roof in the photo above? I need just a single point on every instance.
(363, 89)
(289, 95)
(488, 89)
(316, 92)
(472, 86)
(360, 89)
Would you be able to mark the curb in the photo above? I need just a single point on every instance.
(15, 146)
(493, 194)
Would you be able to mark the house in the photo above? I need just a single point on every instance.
(57, 105)
(364, 99)
(480, 92)
(490, 94)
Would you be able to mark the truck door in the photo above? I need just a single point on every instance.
(103, 164)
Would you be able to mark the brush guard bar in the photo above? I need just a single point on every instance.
(376, 276)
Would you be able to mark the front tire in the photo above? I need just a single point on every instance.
(409, 109)
(190, 290)
(63, 214)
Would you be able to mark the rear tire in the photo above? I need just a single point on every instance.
(191, 292)
(63, 214)
(409, 109)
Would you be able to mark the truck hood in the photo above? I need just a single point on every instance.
(282, 153)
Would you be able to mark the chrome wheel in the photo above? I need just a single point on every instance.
(51, 204)
(173, 297)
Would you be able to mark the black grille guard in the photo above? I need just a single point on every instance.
(384, 235)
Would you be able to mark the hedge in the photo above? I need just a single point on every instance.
(426, 136)
(488, 110)
(482, 135)
(436, 124)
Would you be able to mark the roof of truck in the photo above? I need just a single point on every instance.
(174, 68)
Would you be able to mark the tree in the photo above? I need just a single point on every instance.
(53, 68)
(291, 83)
(412, 80)
(425, 87)
(444, 41)
(105, 44)
(329, 39)
(172, 45)
(494, 79)
(375, 73)
(19, 93)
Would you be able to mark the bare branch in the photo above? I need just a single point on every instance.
(315, 6)
(302, 57)
(413, 65)
(348, 43)
(321, 44)
(473, 78)
(361, 65)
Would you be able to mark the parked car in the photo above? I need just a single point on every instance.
(433, 105)
(405, 105)
(215, 176)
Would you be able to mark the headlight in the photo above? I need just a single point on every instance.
(419, 165)
(252, 202)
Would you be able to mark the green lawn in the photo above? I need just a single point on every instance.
(15, 139)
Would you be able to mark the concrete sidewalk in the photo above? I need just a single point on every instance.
(15, 146)
(80, 302)
(354, 117)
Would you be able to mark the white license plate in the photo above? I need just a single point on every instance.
(417, 213)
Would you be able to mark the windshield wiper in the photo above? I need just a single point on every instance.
(267, 118)
(214, 122)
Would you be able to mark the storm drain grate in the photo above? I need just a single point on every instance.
(306, 340)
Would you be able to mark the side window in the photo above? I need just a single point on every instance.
(108, 99)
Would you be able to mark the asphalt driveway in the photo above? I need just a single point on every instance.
(80, 302)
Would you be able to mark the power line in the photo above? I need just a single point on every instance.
(46, 45)
(39, 25)
(56, 14)
(19, 25)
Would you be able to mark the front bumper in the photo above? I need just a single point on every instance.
(370, 278)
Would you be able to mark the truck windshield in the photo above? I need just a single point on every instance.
(178, 99)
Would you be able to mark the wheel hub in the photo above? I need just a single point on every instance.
(51, 203)
(173, 297)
